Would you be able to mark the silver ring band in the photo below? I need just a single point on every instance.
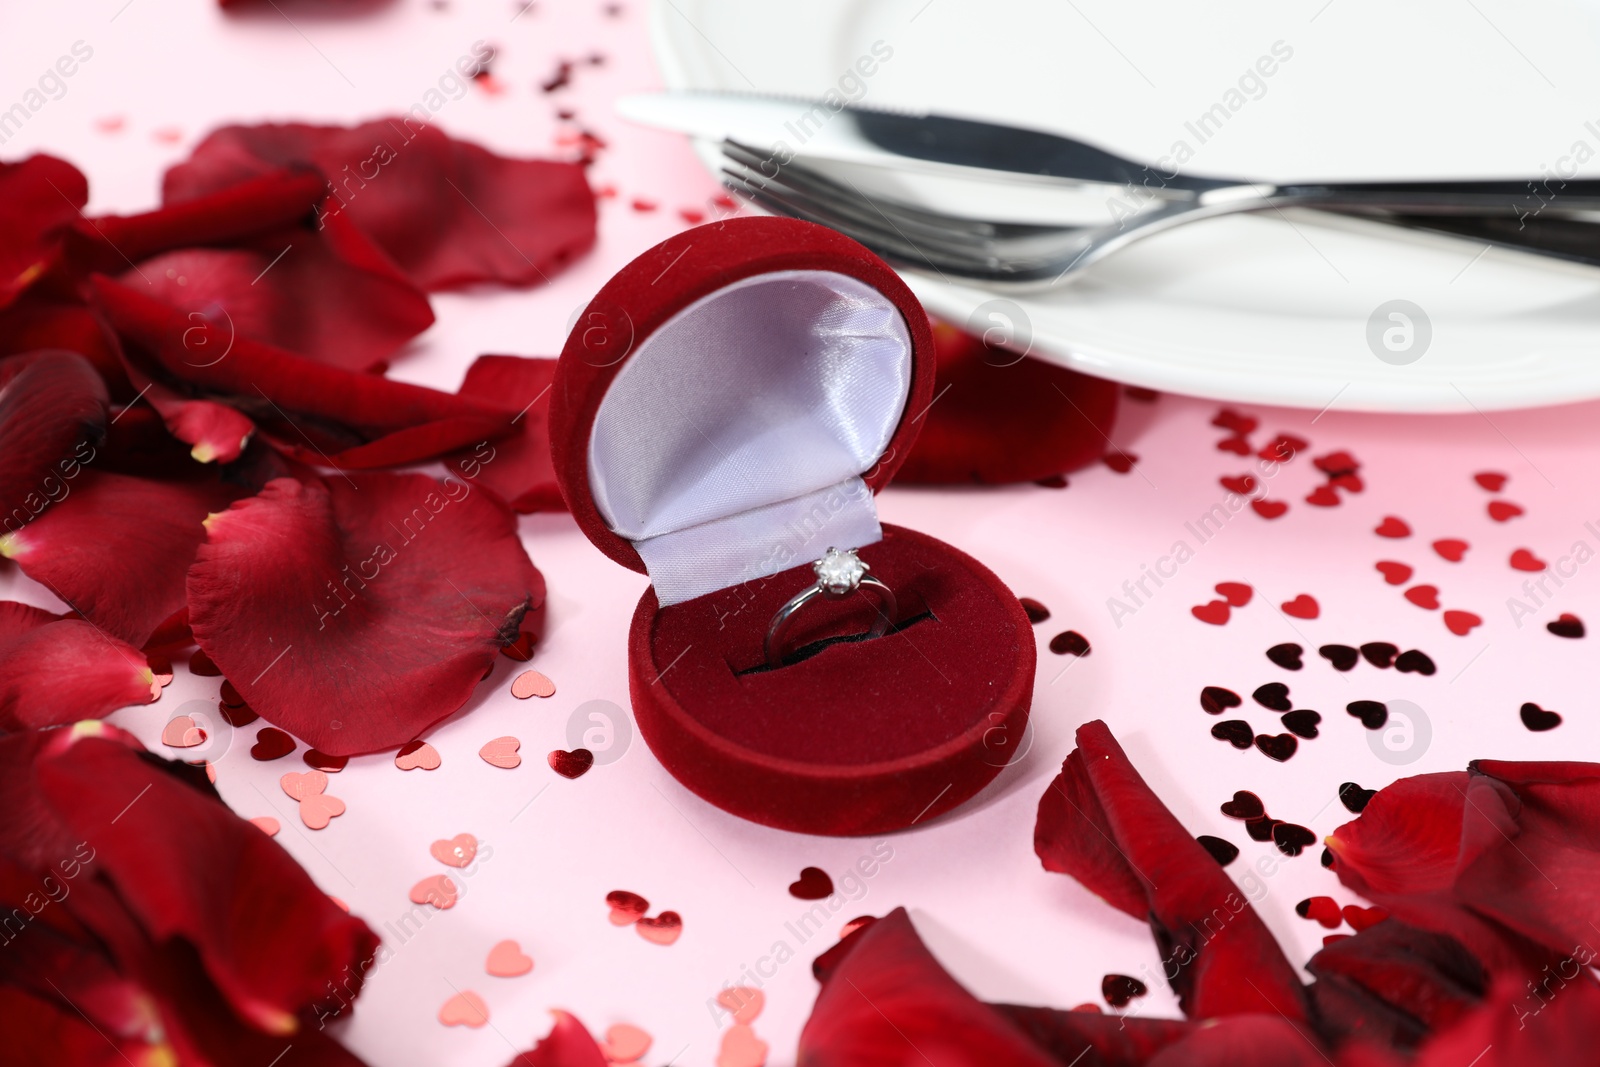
(839, 574)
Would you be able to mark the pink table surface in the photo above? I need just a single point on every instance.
(162, 74)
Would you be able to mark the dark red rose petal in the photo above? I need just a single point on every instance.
(447, 212)
(38, 197)
(516, 467)
(316, 413)
(220, 884)
(1004, 418)
(55, 670)
(355, 616)
(1515, 1026)
(52, 419)
(1100, 823)
(117, 548)
(567, 1044)
(886, 997)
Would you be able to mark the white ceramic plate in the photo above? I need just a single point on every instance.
(1273, 309)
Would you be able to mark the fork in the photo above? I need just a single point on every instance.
(1033, 256)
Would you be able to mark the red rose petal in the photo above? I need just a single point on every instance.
(221, 885)
(447, 212)
(55, 670)
(117, 548)
(52, 417)
(517, 467)
(1100, 823)
(567, 1044)
(353, 420)
(386, 599)
(37, 197)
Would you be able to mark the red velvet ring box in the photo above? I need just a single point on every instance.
(722, 413)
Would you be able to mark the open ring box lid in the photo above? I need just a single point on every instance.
(722, 413)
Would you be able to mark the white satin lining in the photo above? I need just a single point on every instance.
(731, 445)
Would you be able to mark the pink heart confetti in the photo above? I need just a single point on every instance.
(532, 684)
(507, 960)
(181, 732)
(317, 811)
(502, 752)
(417, 755)
(437, 890)
(741, 1048)
(625, 1043)
(458, 851)
(464, 1009)
(744, 1002)
(266, 824)
(301, 784)
(664, 929)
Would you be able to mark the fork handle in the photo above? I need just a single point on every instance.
(1521, 200)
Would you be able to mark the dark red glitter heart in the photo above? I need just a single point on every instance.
(237, 716)
(1274, 695)
(1413, 661)
(1244, 805)
(1069, 643)
(1380, 653)
(1302, 723)
(813, 884)
(323, 762)
(1119, 989)
(1354, 798)
(1566, 626)
(1236, 732)
(572, 764)
(1292, 839)
(1286, 655)
(1372, 713)
(1224, 852)
(1261, 829)
(271, 743)
(1538, 719)
(1343, 657)
(1036, 611)
(1277, 746)
(1237, 445)
(1214, 699)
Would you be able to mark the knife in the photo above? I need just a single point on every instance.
(916, 140)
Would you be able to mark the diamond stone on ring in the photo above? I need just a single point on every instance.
(839, 573)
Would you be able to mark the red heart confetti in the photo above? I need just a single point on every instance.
(1324, 910)
(1243, 484)
(1269, 509)
(1237, 594)
(1395, 573)
(1215, 612)
(464, 1009)
(323, 762)
(664, 929)
(625, 1043)
(271, 743)
(532, 684)
(1360, 918)
(1523, 560)
(507, 960)
(502, 753)
(574, 764)
(457, 851)
(813, 884)
(1303, 606)
(1490, 480)
(1451, 549)
(626, 908)
(1392, 527)
(1568, 625)
(1424, 596)
(436, 890)
(744, 1002)
(417, 755)
(1237, 445)
(1235, 422)
(1461, 623)
(1503, 510)
(1323, 496)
